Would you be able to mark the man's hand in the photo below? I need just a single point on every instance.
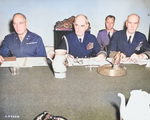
(51, 55)
(1, 59)
(70, 56)
(123, 56)
(100, 58)
(140, 56)
(119, 57)
(113, 54)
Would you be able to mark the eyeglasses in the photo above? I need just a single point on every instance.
(20, 23)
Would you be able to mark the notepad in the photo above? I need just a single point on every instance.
(9, 58)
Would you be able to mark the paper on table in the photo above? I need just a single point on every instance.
(21, 62)
(148, 64)
(36, 61)
(26, 62)
(140, 61)
(76, 62)
(9, 61)
(85, 61)
(9, 64)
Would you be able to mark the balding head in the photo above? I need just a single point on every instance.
(132, 23)
(81, 16)
(80, 24)
(20, 15)
(135, 16)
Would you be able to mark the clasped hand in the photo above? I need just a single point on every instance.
(134, 57)
(100, 58)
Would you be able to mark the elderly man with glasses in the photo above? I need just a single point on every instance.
(22, 42)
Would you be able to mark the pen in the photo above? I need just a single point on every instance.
(24, 64)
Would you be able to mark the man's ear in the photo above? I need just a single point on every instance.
(26, 23)
(126, 23)
(87, 26)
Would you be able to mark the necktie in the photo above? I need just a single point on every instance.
(129, 40)
(109, 35)
(80, 40)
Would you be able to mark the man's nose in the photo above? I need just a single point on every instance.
(132, 25)
(79, 28)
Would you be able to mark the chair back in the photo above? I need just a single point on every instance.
(62, 28)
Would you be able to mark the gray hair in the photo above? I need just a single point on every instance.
(83, 16)
(19, 14)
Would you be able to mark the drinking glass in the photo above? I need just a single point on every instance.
(14, 70)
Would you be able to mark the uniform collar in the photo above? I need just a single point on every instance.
(26, 38)
(111, 32)
(128, 35)
(82, 37)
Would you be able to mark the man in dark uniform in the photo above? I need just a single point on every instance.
(81, 43)
(22, 42)
(129, 42)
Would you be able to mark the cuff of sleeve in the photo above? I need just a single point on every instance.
(102, 52)
(147, 55)
(113, 54)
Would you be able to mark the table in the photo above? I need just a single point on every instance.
(82, 95)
